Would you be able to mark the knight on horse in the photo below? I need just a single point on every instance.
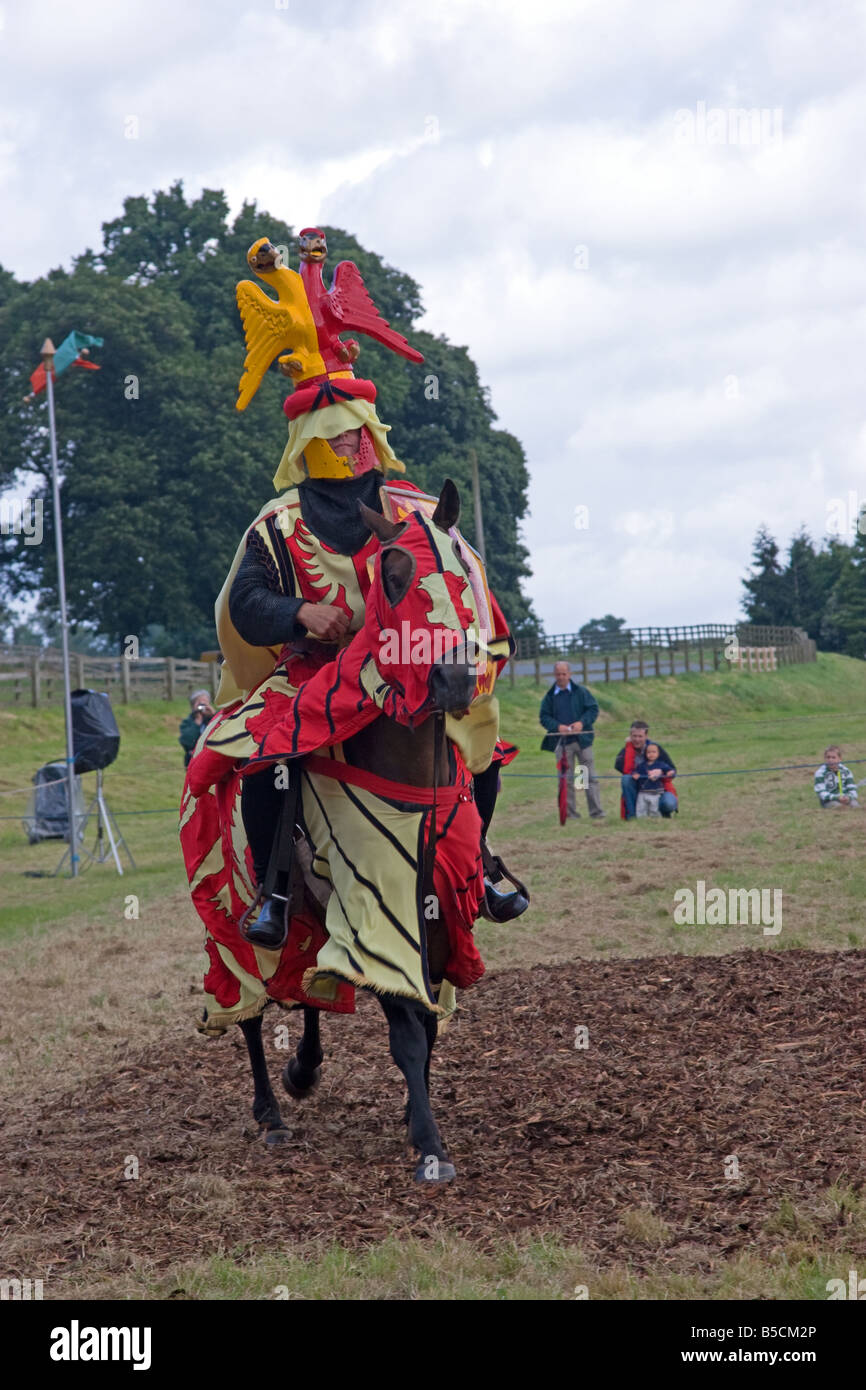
(308, 668)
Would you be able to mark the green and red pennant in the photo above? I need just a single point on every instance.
(71, 353)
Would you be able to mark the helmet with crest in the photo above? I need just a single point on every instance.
(302, 328)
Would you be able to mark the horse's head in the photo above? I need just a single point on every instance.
(422, 619)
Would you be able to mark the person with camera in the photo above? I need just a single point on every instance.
(200, 715)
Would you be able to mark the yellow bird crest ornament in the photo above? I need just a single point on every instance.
(271, 327)
(305, 324)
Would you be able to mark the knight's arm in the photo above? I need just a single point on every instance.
(262, 614)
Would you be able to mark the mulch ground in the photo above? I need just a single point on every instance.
(761, 1055)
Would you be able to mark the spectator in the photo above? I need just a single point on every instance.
(568, 712)
(651, 771)
(626, 763)
(834, 782)
(200, 715)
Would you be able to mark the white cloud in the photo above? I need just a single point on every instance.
(673, 330)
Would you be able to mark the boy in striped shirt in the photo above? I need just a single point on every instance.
(834, 782)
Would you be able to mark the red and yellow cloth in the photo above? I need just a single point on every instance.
(369, 837)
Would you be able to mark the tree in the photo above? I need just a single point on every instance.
(849, 596)
(822, 591)
(764, 600)
(598, 632)
(803, 600)
(160, 473)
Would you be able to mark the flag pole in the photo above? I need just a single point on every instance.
(47, 354)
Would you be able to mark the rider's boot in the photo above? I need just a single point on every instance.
(269, 929)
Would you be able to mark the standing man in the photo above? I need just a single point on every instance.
(568, 712)
(200, 714)
(626, 762)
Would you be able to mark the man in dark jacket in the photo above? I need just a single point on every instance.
(626, 762)
(568, 712)
(200, 715)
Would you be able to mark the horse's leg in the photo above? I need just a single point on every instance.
(302, 1072)
(409, 1035)
(431, 1025)
(266, 1111)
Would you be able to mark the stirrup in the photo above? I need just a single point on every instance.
(501, 907)
(274, 934)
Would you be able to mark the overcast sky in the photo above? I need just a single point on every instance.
(666, 299)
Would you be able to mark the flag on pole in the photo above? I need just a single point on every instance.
(67, 355)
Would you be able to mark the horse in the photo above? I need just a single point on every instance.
(399, 746)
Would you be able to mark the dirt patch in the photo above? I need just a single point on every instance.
(690, 1061)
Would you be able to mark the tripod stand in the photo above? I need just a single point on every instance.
(106, 825)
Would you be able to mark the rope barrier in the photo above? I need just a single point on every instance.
(543, 776)
(722, 772)
(785, 719)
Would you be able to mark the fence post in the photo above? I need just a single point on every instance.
(79, 669)
(658, 662)
(625, 666)
(686, 653)
(537, 670)
(715, 658)
(124, 678)
(169, 677)
(35, 682)
(701, 656)
(583, 665)
(640, 661)
(607, 668)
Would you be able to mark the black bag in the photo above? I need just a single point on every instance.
(47, 815)
(95, 735)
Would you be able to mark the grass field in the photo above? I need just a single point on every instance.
(84, 986)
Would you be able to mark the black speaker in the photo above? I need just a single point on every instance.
(95, 735)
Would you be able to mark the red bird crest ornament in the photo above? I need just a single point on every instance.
(302, 326)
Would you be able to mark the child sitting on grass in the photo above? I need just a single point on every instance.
(834, 782)
(650, 773)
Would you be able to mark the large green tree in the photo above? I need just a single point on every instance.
(821, 590)
(160, 473)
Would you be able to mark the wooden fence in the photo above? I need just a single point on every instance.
(755, 659)
(660, 651)
(648, 639)
(629, 639)
(33, 676)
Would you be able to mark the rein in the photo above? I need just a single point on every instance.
(430, 851)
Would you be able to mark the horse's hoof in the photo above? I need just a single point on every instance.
(276, 1138)
(291, 1085)
(433, 1169)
